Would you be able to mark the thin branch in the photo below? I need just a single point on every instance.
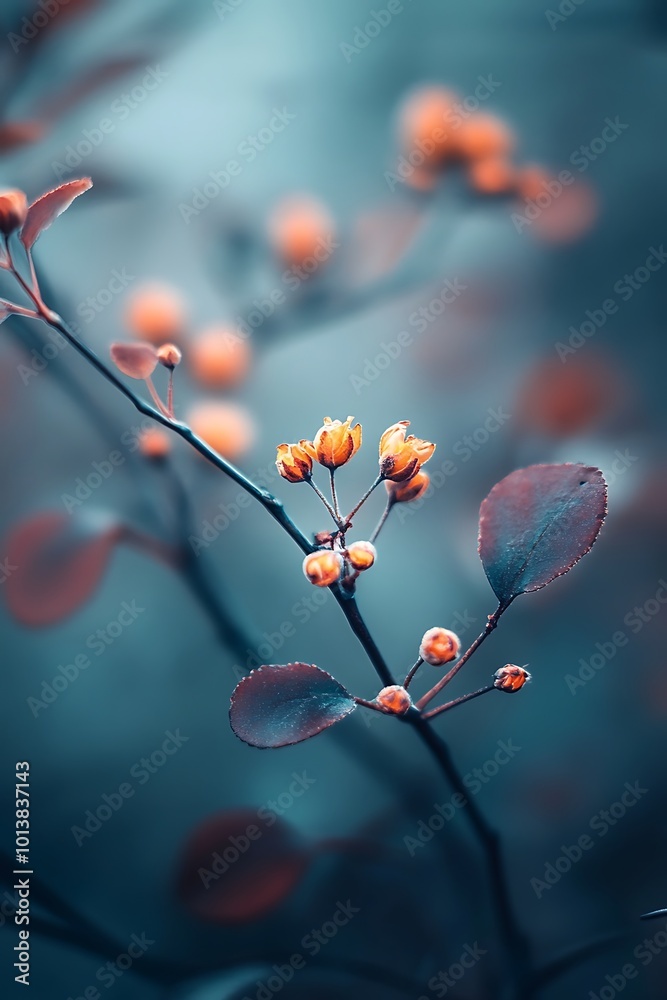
(332, 480)
(380, 524)
(324, 500)
(490, 626)
(457, 701)
(412, 671)
(348, 519)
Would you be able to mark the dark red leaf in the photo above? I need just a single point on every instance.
(537, 523)
(55, 561)
(237, 867)
(136, 360)
(276, 706)
(47, 208)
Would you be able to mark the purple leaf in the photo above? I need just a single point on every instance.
(46, 209)
(276, 706)
(537, 523)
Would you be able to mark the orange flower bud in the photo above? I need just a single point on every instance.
(225, 427)
(219, 357)
(511, 678)
(361, 555)
(294, 463)
(155, 312)
(324, 567)
(299, 229)
(492, 175)
(13, 210)
(154, 443)
(410, 490)
(335, 443)
(425, 125)
(394, 699)
(401, 458)
(169, 355)
(439, 646)
(483, 135)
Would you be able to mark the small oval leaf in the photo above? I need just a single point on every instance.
(46, 209)
(136, 360)
(235, 867)
(276, 706)
(55, 562)
(537, 523)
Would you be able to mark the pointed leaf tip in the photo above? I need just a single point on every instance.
(277, 706)
(537, 523)
(49, 206)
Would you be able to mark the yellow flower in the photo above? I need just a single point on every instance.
(335, 443)
(410, 490)
(293, 462)
(401, 457)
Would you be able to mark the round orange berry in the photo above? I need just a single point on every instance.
(361, 555)
(394, 699)
(225, 427)
(155, 312)
(323, 568)
(300, 231)
(219, 357)
(439, 646)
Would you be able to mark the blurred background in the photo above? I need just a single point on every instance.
(275, 191)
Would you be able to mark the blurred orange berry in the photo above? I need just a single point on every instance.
(361, 555)
(531, 181)
(225, 427)
(394, 699)
(511, 678)
(411, 489)
(335, 443)
(155, 312)
(439, 646)
(154, 443)
(136, 360)
(493, 175)
(219, 357)
(401, 457)
(169, 355)
(425, 128)
(483, 135)
(13, 210)
(294, 463)
(301, 228)
(323, 568)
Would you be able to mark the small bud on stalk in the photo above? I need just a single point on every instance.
(361, 555)
(323, 568)
(511, 678)
(394, 700)
(439, 646)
